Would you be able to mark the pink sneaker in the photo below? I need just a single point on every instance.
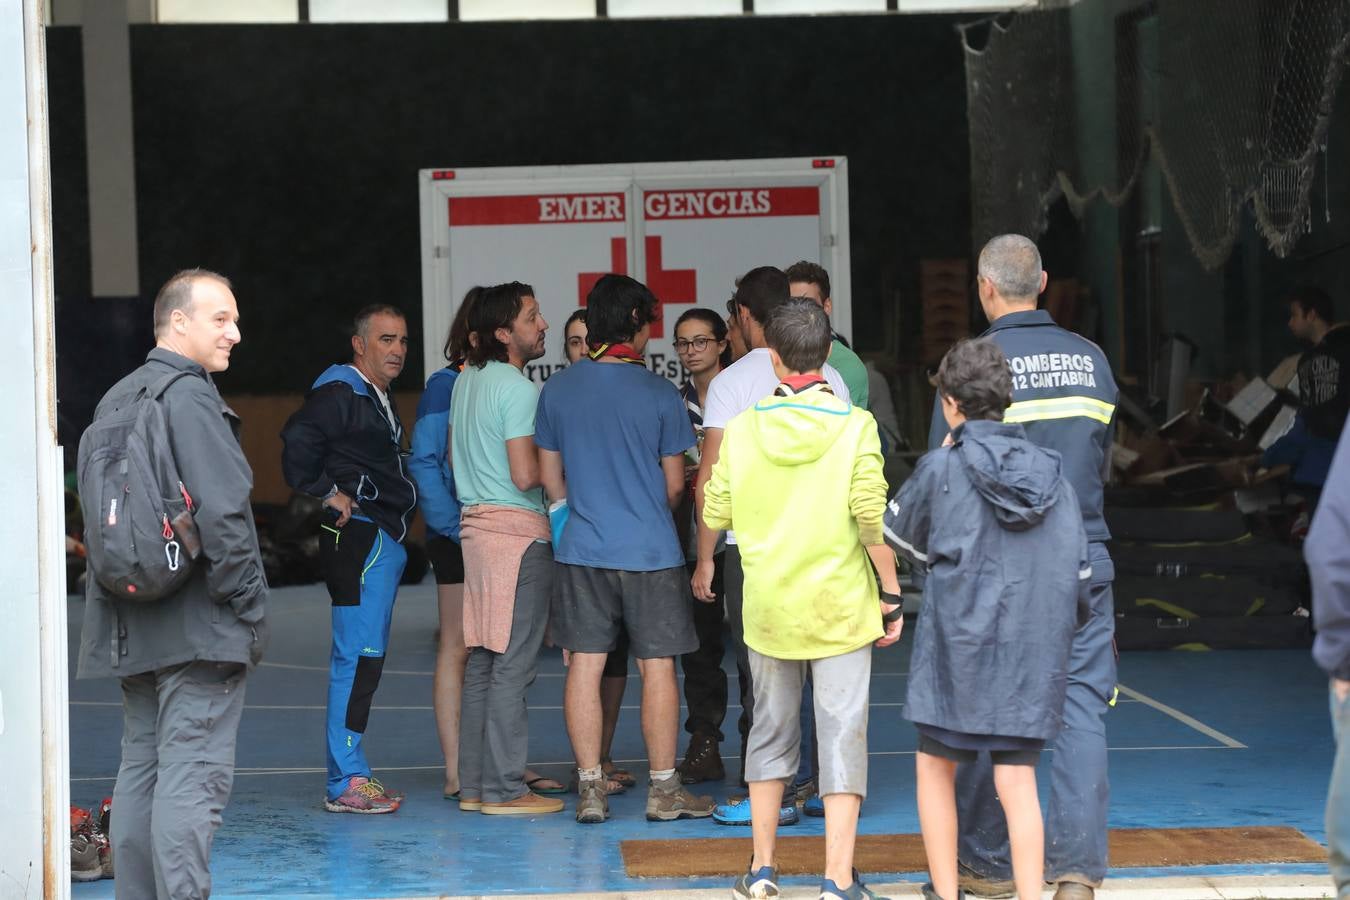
(391, 793)
(361, 796)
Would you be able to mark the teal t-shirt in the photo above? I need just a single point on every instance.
(853, 371)
(489, 407)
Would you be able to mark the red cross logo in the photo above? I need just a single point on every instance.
(669, 285)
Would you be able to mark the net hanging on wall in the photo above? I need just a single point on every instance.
(1230, 99)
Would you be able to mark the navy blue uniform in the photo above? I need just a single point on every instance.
(1064, 396)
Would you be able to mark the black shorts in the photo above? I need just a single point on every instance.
(447, 560)
(934, 747)
(592, 607)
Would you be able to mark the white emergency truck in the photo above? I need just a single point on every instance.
(685, 229)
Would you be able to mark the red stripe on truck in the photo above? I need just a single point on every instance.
(731, 203)
(536, 209)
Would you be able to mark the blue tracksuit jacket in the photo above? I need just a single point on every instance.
(430, 462)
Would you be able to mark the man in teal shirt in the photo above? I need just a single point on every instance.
(508, 564)
(811, 282)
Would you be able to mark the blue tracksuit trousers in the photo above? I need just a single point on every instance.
(360, 639)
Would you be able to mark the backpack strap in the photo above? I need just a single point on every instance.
(157, 388)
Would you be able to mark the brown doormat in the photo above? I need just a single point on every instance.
(1129, 847)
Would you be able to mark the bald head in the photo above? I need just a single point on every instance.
(1012, 264)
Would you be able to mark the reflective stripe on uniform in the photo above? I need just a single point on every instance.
(1060, 408)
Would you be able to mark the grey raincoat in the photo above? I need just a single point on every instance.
(1000, 532)
(218, 614)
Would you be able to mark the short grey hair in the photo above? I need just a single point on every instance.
(177, 294)
(361, 323)
(1013, 264)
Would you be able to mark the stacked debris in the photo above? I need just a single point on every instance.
(1203, 539)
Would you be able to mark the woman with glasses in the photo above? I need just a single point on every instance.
(702, 343)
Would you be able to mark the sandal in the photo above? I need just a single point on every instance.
(532, 784)
(615, 774)
(612, 786)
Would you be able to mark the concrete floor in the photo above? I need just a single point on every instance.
(1199, 739)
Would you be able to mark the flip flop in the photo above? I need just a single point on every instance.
(612, 787)
(531, 782)
(454, 796)
(619, 775)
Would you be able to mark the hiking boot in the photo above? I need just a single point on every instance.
(737, 812)
(102, 824)
(702, 761)
(667, 800)
(973, 882)
(762, 882)
(527, 804)
(361, 796)
(84, 861)
(1073, 890)
(593, 802)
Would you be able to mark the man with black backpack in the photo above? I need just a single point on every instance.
(346, 446)
(174, 601)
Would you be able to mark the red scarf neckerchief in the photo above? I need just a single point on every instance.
(795, 384)
(621, 352)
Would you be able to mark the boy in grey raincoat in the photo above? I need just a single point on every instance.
(1000, 532)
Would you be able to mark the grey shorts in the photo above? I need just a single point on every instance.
(840, 687)
(592, 606)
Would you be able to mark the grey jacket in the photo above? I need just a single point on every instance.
(218, 614)
(1000, 531)
(1327, 551)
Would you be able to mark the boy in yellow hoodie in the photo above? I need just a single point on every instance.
(799, 479)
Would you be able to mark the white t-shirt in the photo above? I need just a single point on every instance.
(746, 382)
(383, 397)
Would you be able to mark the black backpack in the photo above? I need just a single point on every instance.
(138, 515)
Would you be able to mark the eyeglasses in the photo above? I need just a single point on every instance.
(698, 344)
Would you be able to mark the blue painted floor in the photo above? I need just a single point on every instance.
(1171, 767)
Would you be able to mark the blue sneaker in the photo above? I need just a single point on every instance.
(855, 891)
(761, 883)
(738, 813)
(814, 807)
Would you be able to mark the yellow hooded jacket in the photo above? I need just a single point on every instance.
(799, 479)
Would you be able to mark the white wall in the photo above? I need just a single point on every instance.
(32, 604)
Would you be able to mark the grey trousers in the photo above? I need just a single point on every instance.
(179, 726)
(494, 731)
